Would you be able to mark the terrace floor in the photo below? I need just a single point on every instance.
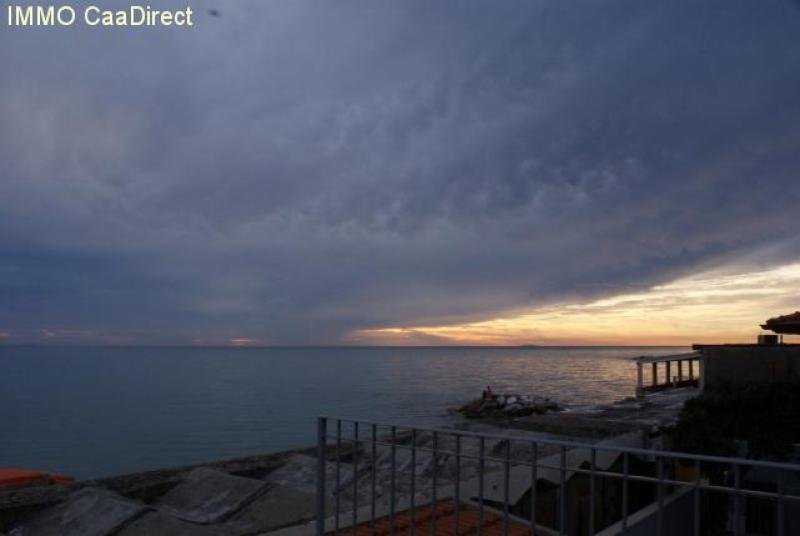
(445, 523)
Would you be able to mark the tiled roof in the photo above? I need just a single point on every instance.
(784, 324)
(794, 317)
(468, 522)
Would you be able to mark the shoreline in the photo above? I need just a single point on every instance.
(292, 471)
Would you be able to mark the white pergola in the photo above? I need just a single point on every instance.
(670, 380)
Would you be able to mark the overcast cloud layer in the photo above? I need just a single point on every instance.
(293, 171)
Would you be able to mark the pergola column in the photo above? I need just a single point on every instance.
(701, 371)
(639, 380)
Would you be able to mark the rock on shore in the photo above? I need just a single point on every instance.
(508, 406)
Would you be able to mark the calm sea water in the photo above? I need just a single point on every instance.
(94, 412)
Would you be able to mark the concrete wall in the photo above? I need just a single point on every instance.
(749, 363)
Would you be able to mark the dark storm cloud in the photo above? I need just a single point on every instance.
(296, 170)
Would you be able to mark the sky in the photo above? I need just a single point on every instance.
(403, 172)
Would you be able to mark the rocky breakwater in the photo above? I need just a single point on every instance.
(508, 406)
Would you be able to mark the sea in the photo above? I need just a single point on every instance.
(99, 411)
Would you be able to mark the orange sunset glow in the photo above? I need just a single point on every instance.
(713, 306)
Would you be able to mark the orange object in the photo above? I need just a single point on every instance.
(11, 478)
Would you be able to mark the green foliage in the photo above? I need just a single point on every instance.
(766, 415)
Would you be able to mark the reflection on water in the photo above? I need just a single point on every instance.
(99, 411)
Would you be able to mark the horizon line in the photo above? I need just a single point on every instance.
(347, 346)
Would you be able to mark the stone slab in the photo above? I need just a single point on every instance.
(279, 507)
(300, 472)
(87, 512)
(158, 524)
(209, 496)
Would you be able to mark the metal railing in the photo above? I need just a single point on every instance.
(361, 484)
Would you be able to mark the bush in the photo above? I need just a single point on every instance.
(766, 415)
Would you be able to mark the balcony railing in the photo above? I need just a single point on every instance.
(387, 479)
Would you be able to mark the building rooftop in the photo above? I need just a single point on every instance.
(786, 324)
